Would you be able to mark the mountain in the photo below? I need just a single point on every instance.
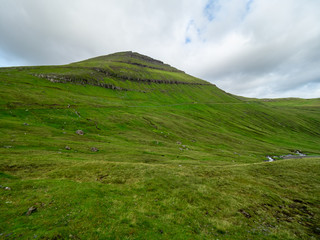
(124, 146)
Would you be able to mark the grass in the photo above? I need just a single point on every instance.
(175, 161)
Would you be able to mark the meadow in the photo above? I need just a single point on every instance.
(163, 155)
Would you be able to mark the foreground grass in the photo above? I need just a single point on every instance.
(102, 199)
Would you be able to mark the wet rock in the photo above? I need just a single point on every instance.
(79, 132)
(94, 149)
(298, 152)
(31, 210)
(68, 148)
(270, 159)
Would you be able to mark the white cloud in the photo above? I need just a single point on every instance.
(256, 48)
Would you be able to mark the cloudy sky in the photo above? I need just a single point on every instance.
(253, 48)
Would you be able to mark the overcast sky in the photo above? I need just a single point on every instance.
(253, 48)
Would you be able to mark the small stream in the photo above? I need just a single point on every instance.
(270, 159)
(297, 154)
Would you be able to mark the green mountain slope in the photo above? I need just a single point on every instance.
(177, 157)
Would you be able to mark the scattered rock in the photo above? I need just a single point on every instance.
(26, 124)
(5, 188)
(31, 210)
(94, 149)
(101, 177)
(179, 143)
(68, 148)
(298, 201)
(244, 213)
(7, 146)
(78, 114)
(79, 132)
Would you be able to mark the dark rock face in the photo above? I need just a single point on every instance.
(97, 74)
(130, 57)
(144, 58)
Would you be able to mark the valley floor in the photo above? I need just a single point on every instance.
(93, 197)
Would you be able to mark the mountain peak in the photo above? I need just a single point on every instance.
(135, 55)
(129, 57)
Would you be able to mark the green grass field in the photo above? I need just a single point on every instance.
(177, 157)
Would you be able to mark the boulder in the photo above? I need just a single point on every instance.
(94, 149)
(79, 132)
(31, 210)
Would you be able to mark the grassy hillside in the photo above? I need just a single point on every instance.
(164, 155)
